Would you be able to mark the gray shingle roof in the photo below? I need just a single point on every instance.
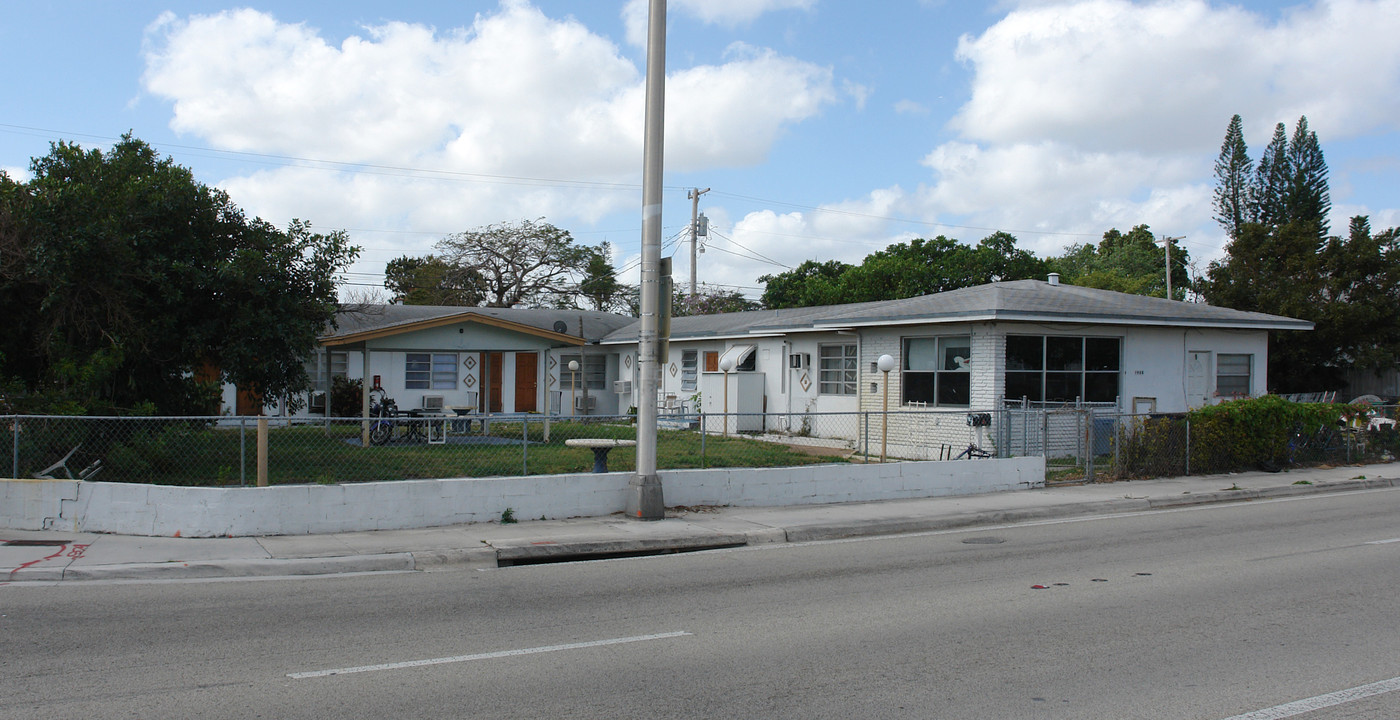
(361, 318)
(1023, 300)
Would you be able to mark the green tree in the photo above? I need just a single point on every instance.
(125, 279)
(810, 284)
(429, 280)
(1233, 170)
(1271, 178)
(711, 301)
(600, 286)
(1131, 263)
(902, 270)
(1307, 199)
(528, 261)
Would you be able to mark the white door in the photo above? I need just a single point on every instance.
(1197, 378)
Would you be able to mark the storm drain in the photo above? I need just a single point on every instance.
(37, 543)
(983, 541)
(582, 556)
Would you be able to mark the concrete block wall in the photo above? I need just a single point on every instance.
(166, 511)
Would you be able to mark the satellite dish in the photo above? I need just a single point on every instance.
(560, 326)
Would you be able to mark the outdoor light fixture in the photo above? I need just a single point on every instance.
(885, 364)
(573, 386)
(727, 365)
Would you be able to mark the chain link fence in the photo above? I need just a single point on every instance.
(1078, 442)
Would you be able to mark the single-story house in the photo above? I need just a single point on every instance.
(491, 360)
(1032, 342)
(1028, 343)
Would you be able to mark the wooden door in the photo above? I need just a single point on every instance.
(493, 382)
(1197, 378)
(711, 361)
(527, 365)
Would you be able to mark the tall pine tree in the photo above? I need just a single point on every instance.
(1233, 173)
(1271, 178)
(1306, 198)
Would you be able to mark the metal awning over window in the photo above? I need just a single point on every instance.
(738, 354)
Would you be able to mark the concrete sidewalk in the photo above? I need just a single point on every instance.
(54, 556)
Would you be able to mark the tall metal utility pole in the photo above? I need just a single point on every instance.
(694, 196)
(1167, 241)
(644, 499)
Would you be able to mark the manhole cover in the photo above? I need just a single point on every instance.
(37, 543)
(983, 541)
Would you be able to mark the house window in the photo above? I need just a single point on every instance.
(592, 373)
(1062, 369)
(316, 369)
(837, 367)
(689, 358)
(425, 371)
(936, 371)
(711, 361)
(1232, 374)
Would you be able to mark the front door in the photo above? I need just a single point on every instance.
(493, 382)
(526, 381)
(1197, 378)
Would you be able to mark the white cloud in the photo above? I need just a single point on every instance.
(18, 174)
(1167, 75)
(517, 95)
(1106, 113)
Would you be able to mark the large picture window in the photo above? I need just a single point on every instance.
(836, 373)
(936, 371)
(430, 371)
(1062, 369)
(1232, 374)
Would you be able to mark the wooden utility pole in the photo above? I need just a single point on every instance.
(694, 196)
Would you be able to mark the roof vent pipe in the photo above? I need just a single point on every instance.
(1054, 278)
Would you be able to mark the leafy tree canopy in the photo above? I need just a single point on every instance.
(429, 280)
(917, 267)
(125, 279)
(1131, 263)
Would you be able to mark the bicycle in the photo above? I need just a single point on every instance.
(973, 453)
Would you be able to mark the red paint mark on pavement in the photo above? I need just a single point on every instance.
(72, 551)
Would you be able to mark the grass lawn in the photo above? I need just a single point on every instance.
(187, 455)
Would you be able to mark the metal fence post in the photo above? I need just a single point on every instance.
(703, 434)
(867, 436)
(1188, 445)
(14, 443)
(525, 446)
(242, 452)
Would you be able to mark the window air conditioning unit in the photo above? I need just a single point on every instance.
(622, 387)
(579, 401)
(432, 402)
(797, 361)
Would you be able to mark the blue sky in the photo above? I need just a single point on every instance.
(826, 130)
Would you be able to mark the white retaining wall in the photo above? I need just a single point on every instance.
(159, 510)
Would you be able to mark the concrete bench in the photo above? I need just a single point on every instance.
(600, 448)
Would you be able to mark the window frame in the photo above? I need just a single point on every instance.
(690, 366)
(845, 382)
(429, 371)
(1247, 375)
(1084, 376)
(592, 371)
(947, 383)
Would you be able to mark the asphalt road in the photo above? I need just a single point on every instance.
(1209, 612)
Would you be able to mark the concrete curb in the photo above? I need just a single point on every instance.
(514, 552)
(270, 567)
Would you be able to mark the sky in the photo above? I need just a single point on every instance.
(823, 129)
